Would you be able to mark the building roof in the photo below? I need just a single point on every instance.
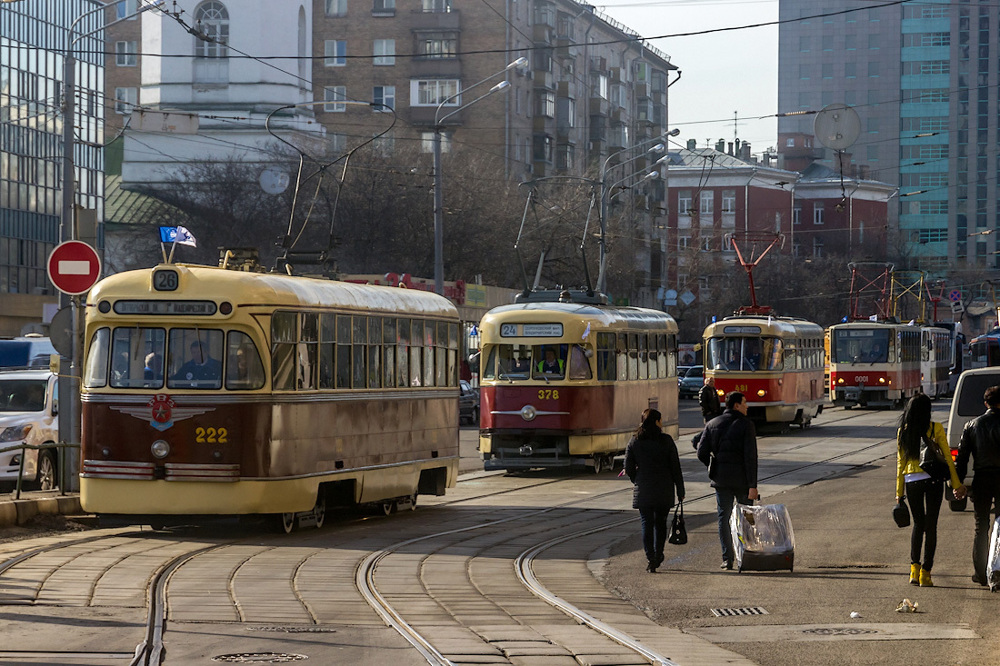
(123, 206)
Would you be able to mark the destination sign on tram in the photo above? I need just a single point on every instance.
(742, 329)
(165, 307)
(531, 330)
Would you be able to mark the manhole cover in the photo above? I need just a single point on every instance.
(732, 612)
(259, 658)
(839, 631)
(296, 630)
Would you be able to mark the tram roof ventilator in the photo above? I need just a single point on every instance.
(587, 296)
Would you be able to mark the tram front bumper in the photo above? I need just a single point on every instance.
(517, 453)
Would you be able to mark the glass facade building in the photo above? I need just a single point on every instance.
(34, 36)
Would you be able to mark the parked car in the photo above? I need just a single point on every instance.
(29, 414)
(966, 405)
(31, 351)
(690, 384)
(468, 403)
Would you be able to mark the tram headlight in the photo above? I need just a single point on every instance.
(840, 380)
(722, 394)
(761, 393)
(160, 449)
(528, 413)
(881, 380)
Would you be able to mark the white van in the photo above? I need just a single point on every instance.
(29, 414)
(966, 405)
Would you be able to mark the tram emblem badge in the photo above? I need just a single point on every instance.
(162, 412)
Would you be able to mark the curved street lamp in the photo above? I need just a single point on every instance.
(438, 194)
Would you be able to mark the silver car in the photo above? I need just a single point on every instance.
(29, 414)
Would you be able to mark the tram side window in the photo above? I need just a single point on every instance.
(244, 369)
(308, 351)
(403, 353)
(343, 368)
(95, 374)
(327, 350)
(452, 354)
(389, 351)
(642, 353)
(283, 337)
(430, 341)
(441, 354)
(606, 370)
(621, 354)
(359, 326)
(193, 356)
(669, 343)
(416, 352)
(374, 352)
(579, 362)
(137, 357)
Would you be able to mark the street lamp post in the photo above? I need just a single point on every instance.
(69, 388)
(438, 192)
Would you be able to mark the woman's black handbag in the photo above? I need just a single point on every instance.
(901, 514)
(932, 460)
(678, 533)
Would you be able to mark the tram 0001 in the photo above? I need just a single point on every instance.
(216, 392)
(565, 377)
(874, 363)
(776, 362)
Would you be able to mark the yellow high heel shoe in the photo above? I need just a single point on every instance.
(925, 578)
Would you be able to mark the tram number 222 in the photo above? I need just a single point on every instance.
(211, 435)
(548, 394)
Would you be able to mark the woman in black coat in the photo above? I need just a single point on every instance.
(652, 463)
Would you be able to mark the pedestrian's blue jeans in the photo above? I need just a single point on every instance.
(724, 500)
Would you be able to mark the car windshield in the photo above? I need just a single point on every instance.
(22, 395)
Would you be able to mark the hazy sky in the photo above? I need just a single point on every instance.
(722, 73)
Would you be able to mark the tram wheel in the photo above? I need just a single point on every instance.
(319, 511)
(389, 507)
(287, 522)
(598, 463)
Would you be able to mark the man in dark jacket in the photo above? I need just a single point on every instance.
(652, 464)
(708, 400)
(981, 440)
(728, 447)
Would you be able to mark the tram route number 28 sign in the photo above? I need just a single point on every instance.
(531, 330)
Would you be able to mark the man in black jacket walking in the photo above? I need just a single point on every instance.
(728, 447)
(981, 440)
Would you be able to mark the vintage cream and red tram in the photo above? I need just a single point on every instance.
(209, 391)
(874, 363)
(776, 362)
(565, 377)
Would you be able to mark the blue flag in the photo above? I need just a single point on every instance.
(178, 235)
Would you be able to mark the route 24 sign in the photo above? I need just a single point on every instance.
(74, 267)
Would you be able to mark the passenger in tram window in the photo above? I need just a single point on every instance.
(153, 369)
(922, 491)
(653, 466)
(519, 364)
(551, 364)
(201, 366)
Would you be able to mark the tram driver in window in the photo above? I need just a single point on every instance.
(875, 354)
(551, 364)
(201, 367)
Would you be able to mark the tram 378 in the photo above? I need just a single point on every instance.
(874, 363)
(564, 378)
(209, 391)
(776, 362)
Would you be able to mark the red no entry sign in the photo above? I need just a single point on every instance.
(74, 267)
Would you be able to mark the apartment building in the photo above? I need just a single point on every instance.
(922, 77)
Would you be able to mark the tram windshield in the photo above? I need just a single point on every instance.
(145, 357)
(860, 345)
(537, 362)
(744, 354)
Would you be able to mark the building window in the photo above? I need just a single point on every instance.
(728, 201)
(827, 70)
(384, 7)
(542, 151)
(564, 157)
(213, 21)
(804, 44)
(803, 71)
(438, 45)
(385, 145)
(125, 99)
(385, 52)
(850, 70)
(337, 143)
(384, 96)
(335, 96)
(850, 41)
(126, 9)
(545, 104)
(817, 247)
(431, 92)
(818, 212)
(436, 6)
(684, 202)
(336, 7)
(125, 54)
(797, 215)
(335, 52)
(707, 199)
(706, 243)
(790, 143)
(873, 69)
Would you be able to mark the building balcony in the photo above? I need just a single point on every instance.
(421, 20)
(599, 106)
(543, 79)
(436, 68)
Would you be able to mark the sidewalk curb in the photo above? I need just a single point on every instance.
(19, 512)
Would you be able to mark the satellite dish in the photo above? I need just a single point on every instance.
(837, 126)
(273, 181)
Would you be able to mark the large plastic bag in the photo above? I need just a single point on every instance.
(993, 563)
(761, 530)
